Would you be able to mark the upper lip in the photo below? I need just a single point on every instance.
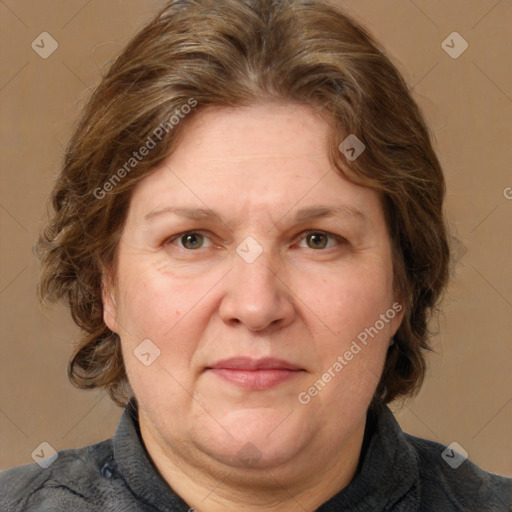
(248, 363)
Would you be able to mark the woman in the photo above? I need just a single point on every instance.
(248, 228)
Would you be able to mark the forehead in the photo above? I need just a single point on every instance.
(273, 155)
(221, 137)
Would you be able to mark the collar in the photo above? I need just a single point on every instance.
(136, 468)
(388, 478)
(388, 472)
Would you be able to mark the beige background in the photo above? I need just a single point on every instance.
(467, 396)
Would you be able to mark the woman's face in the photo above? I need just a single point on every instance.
(253, 294)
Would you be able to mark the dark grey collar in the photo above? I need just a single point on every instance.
(138, 471)
(389, 475)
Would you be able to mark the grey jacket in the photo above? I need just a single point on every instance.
(397, 472)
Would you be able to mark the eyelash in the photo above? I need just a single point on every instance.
(340, 240)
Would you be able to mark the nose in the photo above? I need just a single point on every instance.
(256, 295)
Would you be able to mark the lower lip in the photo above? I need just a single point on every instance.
(256, 379)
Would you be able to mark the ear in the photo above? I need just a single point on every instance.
(398, 307)
(108, 295)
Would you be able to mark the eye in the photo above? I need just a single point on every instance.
(190, 240)
(320, 240)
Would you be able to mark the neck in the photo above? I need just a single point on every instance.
(301, 484)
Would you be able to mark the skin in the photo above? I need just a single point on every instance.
(304, 299)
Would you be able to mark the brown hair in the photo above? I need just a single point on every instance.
(206, 53)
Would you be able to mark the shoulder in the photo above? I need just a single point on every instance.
(67, 481)
(448, 477)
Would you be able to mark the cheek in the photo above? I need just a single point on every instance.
(351, 340)
(351, 300)
(165, 309)
(160, 309)
(149, 302)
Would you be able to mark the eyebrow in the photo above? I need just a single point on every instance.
(189, 213)
(302, 214)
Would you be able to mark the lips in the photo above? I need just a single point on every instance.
(256, 374)
(249, 364)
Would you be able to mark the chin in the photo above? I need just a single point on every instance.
(255, 438)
